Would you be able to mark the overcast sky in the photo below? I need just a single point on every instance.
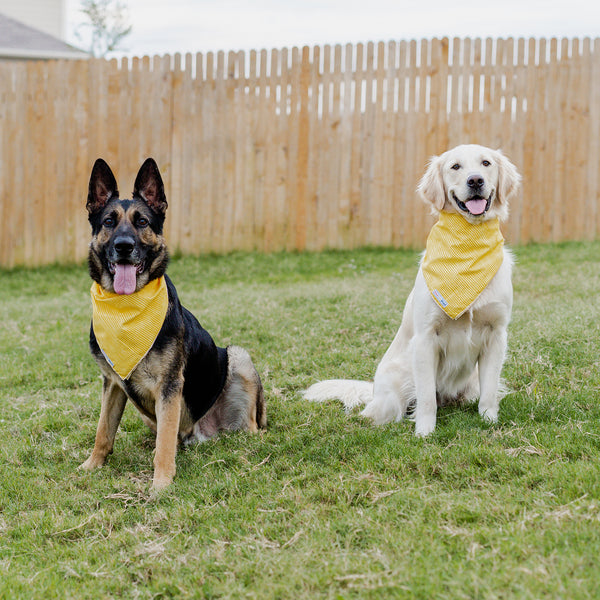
(169, 26)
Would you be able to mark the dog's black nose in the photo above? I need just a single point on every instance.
(124, 245)
(475, 181)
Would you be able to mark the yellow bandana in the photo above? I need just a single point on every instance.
(126, 326)
(460, 260)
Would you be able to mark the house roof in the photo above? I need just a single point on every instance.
(18, 40)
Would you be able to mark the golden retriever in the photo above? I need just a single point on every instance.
(436, 359)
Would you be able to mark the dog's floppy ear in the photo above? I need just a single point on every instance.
(431, 186)
(149, 186)
(508, 178)
(103, 187)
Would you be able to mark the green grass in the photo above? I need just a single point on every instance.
(322, 504)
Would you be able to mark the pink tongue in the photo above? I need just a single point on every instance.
(476, 207)
(125, 279)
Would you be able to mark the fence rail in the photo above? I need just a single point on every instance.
(298, 149)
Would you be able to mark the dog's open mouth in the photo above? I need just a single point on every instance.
(476, 205)
(125, 276)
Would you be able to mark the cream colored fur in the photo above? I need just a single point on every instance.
(434, 359)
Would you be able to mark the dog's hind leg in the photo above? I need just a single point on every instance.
(111, 411)
(240, 406)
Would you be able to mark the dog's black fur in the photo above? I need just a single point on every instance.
(186, 386)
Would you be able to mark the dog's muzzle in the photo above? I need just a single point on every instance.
(475, 205)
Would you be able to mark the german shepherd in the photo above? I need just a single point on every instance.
(185, 387)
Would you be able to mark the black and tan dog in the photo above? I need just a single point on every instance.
(185, 387)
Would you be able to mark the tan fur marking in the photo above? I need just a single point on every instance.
(167, 421)
(111, 411)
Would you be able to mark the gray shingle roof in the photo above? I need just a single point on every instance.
(18, 40)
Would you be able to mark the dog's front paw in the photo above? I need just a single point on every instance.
(490, 415)
(93, 462)
(424, 426)
(161, 482)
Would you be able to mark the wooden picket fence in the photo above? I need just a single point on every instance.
(298, 149)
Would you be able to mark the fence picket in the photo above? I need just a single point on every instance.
(298, 149)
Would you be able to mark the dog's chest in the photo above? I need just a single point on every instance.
(143, 390)
(462, 341)
(459, 340)
(147, 382)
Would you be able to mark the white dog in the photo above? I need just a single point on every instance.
(452, 340)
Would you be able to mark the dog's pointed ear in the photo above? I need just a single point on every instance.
(103, 187)
(508, 178)
(149, 186)
(431, 186)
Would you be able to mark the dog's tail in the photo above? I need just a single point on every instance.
(349, 391)
(261, 409)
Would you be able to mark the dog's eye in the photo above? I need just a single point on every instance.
(455, 167)
(108, 222)
(143, 222)
(486, 163)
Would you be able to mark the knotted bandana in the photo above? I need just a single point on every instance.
(460, 260)
(126, 326)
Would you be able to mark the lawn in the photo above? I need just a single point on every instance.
(322, 504)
